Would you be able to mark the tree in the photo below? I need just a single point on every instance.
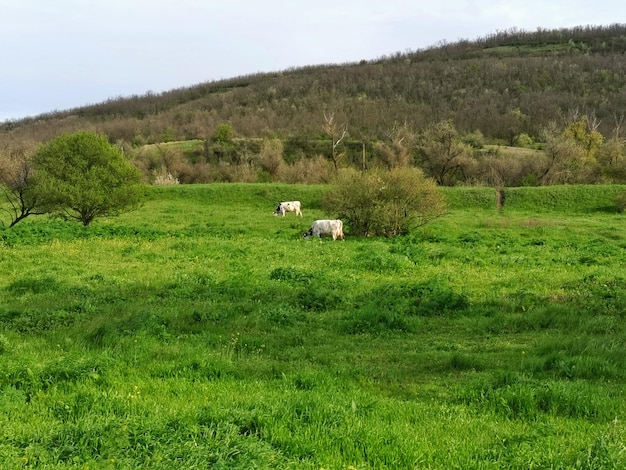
(584, 131)
(398, 151)
(82, 177)
(384, 202)
(563, 156)
(271, 157)
(572, 152)
(337, 133)
(442, 154)
(612, 160)
(18, 183)
(221, 144)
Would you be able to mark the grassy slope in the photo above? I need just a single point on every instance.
(202, 330)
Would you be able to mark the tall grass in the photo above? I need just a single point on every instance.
(201, 331)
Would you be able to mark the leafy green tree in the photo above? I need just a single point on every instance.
(584, 131)
(222, 145)
(81, 176)
(223, 134)
(572, 152)
(612, 160)
(384, 202)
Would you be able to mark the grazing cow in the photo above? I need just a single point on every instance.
(288, 206)
(334, 228)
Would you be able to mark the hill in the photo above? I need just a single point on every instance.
(454, 110)
(476, 83)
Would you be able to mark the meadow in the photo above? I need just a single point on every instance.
(200, 331)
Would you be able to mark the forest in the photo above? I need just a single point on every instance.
(513, 108)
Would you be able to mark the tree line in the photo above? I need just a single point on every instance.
(460, 111)
(571, 152)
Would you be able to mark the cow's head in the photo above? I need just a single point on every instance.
(308, 233)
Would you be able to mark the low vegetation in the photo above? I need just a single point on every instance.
(203, 332)
(384, 203)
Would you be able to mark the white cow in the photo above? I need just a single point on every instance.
(288, 206)
(334, 228)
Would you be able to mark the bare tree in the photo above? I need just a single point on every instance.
(443, 155)
(619, 122)
(337, 133)
(18, 183)
(397, 153)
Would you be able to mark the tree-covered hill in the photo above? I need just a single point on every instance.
(459, 111)
(506, 83)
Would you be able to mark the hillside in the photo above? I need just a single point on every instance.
(512, 109)
(543, 75)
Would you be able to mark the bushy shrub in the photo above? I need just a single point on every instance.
(271, 157)
(523, 140)
(316, 170)
(475, 139)
(385, 203)
(232, 173)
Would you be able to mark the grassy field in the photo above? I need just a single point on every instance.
(202, 332)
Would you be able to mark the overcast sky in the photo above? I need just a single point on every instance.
(62, 54)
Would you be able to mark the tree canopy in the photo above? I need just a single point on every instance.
(82, 176)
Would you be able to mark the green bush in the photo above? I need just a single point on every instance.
(384, 203)
(81, 176)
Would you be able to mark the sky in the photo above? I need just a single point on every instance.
(63, 54)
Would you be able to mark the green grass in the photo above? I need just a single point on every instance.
(201, 331)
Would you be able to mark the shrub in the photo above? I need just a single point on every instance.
(385, 203)
(316, 170)
(523, 140)
(271, 157)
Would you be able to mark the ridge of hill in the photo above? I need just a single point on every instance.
(477, 84)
